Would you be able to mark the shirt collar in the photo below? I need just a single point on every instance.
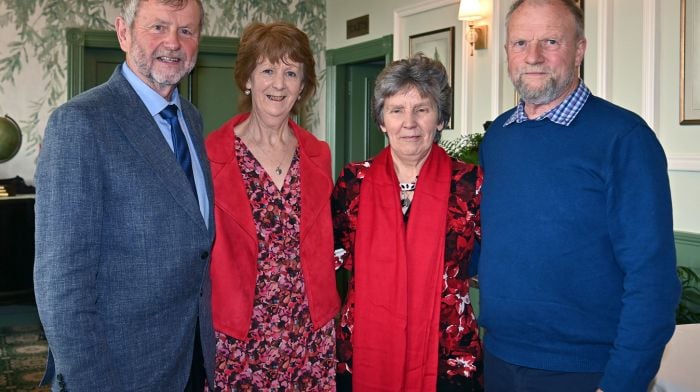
(153, 101)
(562, 114)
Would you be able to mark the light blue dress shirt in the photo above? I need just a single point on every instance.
(155, 104)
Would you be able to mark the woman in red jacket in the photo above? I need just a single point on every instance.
(273, 282)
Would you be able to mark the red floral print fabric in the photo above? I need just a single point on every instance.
(459, 347)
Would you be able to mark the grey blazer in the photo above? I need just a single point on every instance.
(122, 253)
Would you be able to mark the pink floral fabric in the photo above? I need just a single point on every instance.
(283, 352)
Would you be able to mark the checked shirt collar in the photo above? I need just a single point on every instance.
(562, 114)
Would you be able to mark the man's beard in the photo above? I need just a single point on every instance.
(550, 91)
(158, 77)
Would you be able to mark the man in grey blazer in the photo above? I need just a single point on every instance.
(124, 227)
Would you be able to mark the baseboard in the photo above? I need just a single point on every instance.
(688, 249)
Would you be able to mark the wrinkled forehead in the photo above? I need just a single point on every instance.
(538, 21)
(413, 93)
(537, 32)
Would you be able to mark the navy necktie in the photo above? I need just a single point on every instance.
(182, 151)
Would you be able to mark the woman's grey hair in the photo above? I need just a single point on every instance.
(570, 5)
(426, 75)
(131, 7)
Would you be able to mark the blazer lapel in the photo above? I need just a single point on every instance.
(232, 199)
(316, 183)
(143, 133)
(197, 136)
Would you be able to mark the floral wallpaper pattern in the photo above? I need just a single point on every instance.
(33, 53)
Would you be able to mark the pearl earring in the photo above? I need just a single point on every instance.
(247, 91)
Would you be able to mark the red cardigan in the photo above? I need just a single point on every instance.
(234, 257)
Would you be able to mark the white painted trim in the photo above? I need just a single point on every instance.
(429, 5)
(497, 58)
(423, 6)
(604, 33)
(649, 44)
(684, 162)
(464, 88)
(414, 9)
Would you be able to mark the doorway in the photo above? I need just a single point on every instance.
(362, 138)
(353, 135)
(93, 55)
(351, 72)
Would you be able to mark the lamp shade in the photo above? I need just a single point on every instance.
(469, 10)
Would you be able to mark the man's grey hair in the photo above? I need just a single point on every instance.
(570, 5)
(131, 8)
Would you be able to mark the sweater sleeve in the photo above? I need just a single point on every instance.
(641, 230)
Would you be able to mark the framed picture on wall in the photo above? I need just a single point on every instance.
(580, 70)
(690, 60)
(438, 45)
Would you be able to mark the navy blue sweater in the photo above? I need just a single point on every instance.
(577, 266)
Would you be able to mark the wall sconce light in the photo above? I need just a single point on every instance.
(470, 12)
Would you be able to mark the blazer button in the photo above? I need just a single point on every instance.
(205, 254)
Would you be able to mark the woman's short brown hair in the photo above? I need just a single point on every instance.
(275, 42)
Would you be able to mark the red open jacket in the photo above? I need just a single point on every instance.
(235, 254)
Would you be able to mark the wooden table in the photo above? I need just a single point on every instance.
(16, 244)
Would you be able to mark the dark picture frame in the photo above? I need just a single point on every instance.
(581, 68)
(690, 60)
(438, 45)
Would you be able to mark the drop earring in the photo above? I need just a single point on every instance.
(247, 91)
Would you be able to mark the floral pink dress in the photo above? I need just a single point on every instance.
(283, 352)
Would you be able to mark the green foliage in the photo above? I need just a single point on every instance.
(45, 45)
(688, 311)
(39, 37)
(465, 148)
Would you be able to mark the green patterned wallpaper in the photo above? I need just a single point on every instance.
(33, 53)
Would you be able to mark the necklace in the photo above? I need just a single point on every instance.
(264, 153)
(278, 169)
(267, 154)
(405, 188)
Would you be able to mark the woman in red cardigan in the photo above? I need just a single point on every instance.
(273, 281)
(405, 224)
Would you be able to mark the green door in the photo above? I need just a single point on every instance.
(213, 89)
(100, 64)
(210, 86)
(361, 138)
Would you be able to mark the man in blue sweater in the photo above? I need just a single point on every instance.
(577, 266)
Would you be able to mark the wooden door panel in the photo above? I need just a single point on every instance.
(100, 64)
(214, 90)
(93, 56)
(363, 137)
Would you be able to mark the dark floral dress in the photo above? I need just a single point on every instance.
(283, 352)
(459, 366)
